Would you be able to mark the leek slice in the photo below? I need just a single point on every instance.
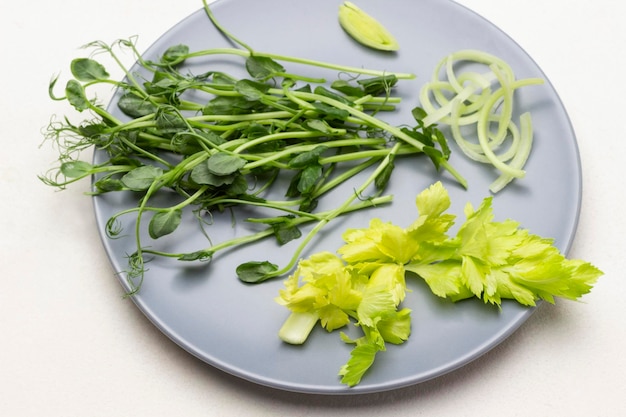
(365, 29)
(482, 102)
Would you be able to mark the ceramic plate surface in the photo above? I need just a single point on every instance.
(232, 326)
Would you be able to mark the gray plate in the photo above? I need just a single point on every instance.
(233, 327)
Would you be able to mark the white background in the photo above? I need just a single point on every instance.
(72, 346)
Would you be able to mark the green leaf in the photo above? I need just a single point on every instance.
(252, 90)
(223, 163)
(92, 130)
(443, 278)
(292, 189)
(319, 125)
(260, 67)
(201, 174)
(433, 201)
(322, 91)
(361, 359)
(395, 327)
(105, 185)
(140, 179)
(375, 302)
(164, 223)
(347, 88)
(76, 169)
(255, 272)
(175, 54)
(419, 136)
(306, 88)
(187, 142)
(307, 158)
(309, 204)
(212, 137)
(378, 85)
(161, 83)
(221, 79)
(285, 232)
(85, 69)
(125, 160)
(75, 94)
(168, 120)
(443, 143)
(384, 176)
(310, 176)
(435, 155)
(135, 106)
(331, 112)
(226, 105)
(256, 130)
(474, 274)
(238, 186)
(419, 114)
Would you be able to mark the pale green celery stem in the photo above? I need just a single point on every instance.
(297, 327)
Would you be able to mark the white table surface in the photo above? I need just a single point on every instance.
(72, 346)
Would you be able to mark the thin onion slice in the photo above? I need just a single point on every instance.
(482, 102)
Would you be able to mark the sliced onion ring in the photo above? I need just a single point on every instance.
(484, 103)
